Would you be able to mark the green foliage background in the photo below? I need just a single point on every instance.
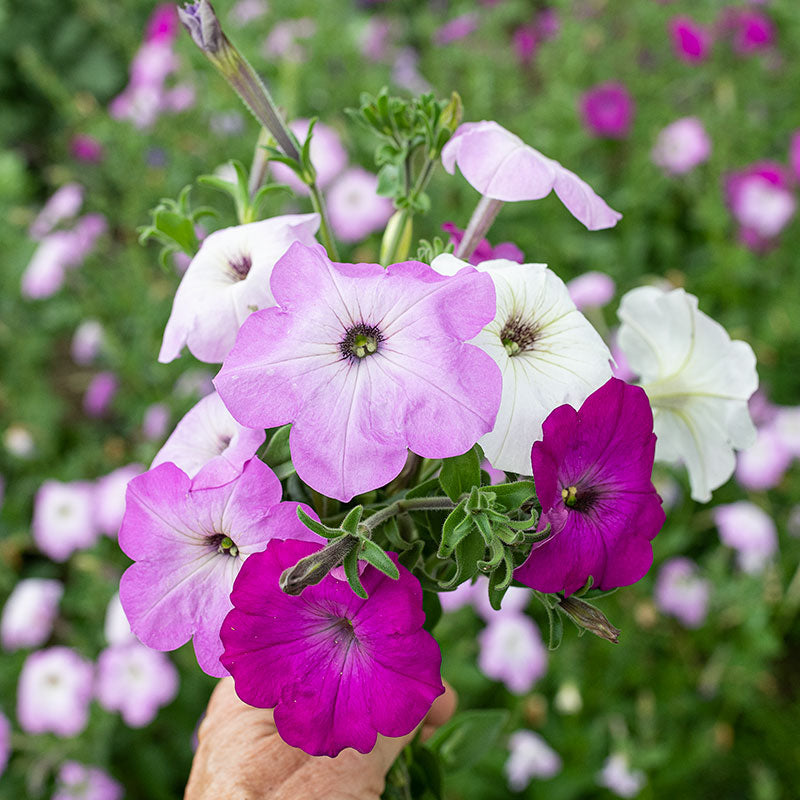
(712, 712)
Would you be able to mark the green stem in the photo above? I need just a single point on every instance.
(318, 202)
(403, 506)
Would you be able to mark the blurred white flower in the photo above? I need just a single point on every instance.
(617, 776)
(529, 757)
(697, 379)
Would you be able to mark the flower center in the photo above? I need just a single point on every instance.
(518, 335)
(579, 501)
(360, 341)
(241, 266)
(223, 544)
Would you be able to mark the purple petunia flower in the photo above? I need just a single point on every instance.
(189, 543)
(593, 477)
(607, 110)
(78, 782)
(365, 362)
(337, 669)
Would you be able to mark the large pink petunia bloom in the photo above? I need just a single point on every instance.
(502, 167)
(593, 477)
(337, 669)
(227, 280)
(209, 440)
(189, 544)
(607, 110)
(366, 362)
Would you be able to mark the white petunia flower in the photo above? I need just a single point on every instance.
(697, 379)
(548, 353)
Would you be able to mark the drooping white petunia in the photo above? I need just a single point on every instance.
(548, 353)
(697, 379)
(227, 280)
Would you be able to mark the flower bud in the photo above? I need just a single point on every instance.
(590, 618)
(312, 569)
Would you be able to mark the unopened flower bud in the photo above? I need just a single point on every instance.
(202, 23)
(312, 569)
(590, 618)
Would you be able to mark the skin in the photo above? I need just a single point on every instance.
(241, 757)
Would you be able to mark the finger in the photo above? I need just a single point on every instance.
(444, 706)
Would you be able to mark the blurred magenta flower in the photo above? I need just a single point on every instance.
(484, 251)
(63, 204)
(750, 531)
(502, 167)
(100, 393)
(189, 543)
(752, 30)
(690, 40)
(591, 290)
(354, 206)
(617, 776)
(87, 342)
(136, 681)
(529, 756)
(328, 156)
(63, 518)
(155, 421)
(607, 110)
(109, 498)
(761, 202)
(525, 42)
(348, 343)
(209, 445)
(456, 29)
(337, 669)
(763, 465)
(681, 146)
(593, 471)
(54, 691)
(681, 592)
(29, 613)
(86, 148)
(512, 652)
(227, 280)
(78, 782)
(163, 23)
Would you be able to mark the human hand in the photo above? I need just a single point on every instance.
(240, 756)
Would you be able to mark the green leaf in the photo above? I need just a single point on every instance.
(373, 554)
(278, 451)
(459, 474)
(432, 607)
(462, 741)
(457, 525)
(556, 633)
(468, 552)
(350, 522)
(510, 496)
(351, 570)
(315, 526)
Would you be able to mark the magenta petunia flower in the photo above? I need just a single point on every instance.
(752, 31)
(607, 110)
(593, 477)
(690, 41)
(365, 362)
(100, 394)
(189, 543)
(484, 251)
(338, 670)
(502, 167)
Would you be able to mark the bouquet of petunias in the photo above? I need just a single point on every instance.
(383, 433)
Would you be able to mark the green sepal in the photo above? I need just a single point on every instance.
(351, 571)
(373, 554)
(457, 525)
(318, 527)
(556, 632)
(496, 551)
(484, 528)
(459, 474)
(350, 523)
(462, 740)
(500, 580)
(510, 496)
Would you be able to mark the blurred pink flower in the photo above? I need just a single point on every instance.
(376, 42)
(591, 290)
(87, 342)
(753, 31)
(681, 146)
(5, 742)
(63, 518)
(525, 43)
(99, 394)
(763, 465)
(29, 613)
(245, 11)
(285, 37)
(690, 41)
(78, 782)
(355, 208)
(618, 777)
(457, 28)
(681, 592)
(86, 148)
(512, 651)
(529, 757)
(750, 531)
(109, 498)
(787, 428)
(155, 422)
(163, 24)
(607, 110)
(63, 204)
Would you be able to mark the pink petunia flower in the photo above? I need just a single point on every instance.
(512, 651)
(502, 167)
(136, 681)
(529, 757)
(155, 422)
(86, 148)
(29, 613)
(525, 41)
(87, 342)
(54, 692)
(109, 497)
(591, 290)
(100, 393)
(753, 31)
(690, 41)
(189, 543)
(208, 438)
(763, 465)
(337, 669)
(78, 782)
(355, 207)
(682, 593)
(607, 110)
(366, 362)
(593, 477)
(484, 251)
(227, 280)
(750, 531)
(681, 146)
(456, 29)
(63, 204)
(63, 518)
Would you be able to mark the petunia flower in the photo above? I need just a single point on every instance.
(592, 472)
(502, 167)
(79, 782)
(29, 613)
(617, 776)
(591, 290)
(547, 352)
(529, 756)
(681, 146)
(607, 110)
(484, 251)
(189, 543)
(63, 204)
(337, 669)
(63, 518)
(227, 280)
(682, 592)
(750, 531)
(697, 379)
(355, 207)
(208, 438)
(763, 465)
(512, 651)
(690, 40)
(366, 362)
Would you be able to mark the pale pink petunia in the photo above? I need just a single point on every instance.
(116, 627)
(529, 757)
(763, 465)
(63, 204)
(617, 776)
(366, 363)
(512, 651)
(355, 207)
(208, 436)
(681, 146)
(227, 280)
(502, 167)
(29, 613)
(63, 518)
(100, 393)
(155, 421)
(80, 782)
(750, 531)
(787, 427)
(87, 342)
(682, 592)
(591, 290)
(456, 29)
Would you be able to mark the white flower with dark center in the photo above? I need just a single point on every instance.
(227, 280)
(697, 379)
(548, 353)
